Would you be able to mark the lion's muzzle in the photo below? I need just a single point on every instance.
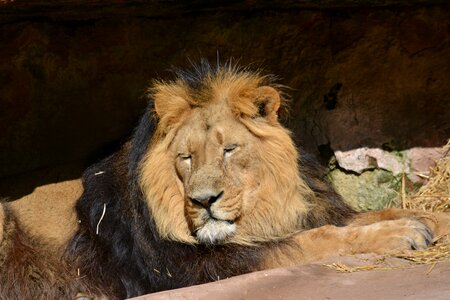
(214, 226)
(206, 199)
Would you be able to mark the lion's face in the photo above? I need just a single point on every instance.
(214, 157)
(221, 169)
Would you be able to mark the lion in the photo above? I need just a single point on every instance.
(210, 185)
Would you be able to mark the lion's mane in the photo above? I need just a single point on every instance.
(128, 256)
(134, 236)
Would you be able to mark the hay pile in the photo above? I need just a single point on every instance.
(433, 196)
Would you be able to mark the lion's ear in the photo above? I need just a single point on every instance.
(169, 106)
(267, 101)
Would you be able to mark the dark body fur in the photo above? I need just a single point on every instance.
(29, 271)
(127, 258)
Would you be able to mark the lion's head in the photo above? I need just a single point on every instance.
(220, 168)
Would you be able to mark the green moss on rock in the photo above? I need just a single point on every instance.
(371, 190)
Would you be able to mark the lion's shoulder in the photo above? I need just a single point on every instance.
(48, 213)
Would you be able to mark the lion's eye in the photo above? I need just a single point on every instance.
(184, 156)
(228, 149)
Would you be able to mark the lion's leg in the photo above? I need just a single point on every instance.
(439, 223)
(382, 237)
(370, 217)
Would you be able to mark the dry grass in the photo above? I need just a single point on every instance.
(434, 196)
(440, 252)
(341, 267)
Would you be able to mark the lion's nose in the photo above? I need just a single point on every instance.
(206, 199)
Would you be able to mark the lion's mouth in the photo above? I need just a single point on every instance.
(215, 226)
(214, 230)
(212, 215)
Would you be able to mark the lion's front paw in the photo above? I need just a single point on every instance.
(393, 236)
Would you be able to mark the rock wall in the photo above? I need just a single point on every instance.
(362, 73)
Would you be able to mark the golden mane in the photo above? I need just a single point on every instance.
(280, 184)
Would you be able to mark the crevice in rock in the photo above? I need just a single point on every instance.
(331, 98)
(326, 152)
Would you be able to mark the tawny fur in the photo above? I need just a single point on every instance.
(56, 221)
(210, 186)
(34, 232)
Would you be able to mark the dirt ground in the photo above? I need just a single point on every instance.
(394, 279)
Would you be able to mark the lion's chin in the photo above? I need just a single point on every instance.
(215, 232)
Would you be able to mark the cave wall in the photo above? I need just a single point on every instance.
(361, 73)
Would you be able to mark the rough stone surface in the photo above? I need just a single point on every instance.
(371, 190)
(411, 162)
(362, 74)
(362, 159)
(421, 160)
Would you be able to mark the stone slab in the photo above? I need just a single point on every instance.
(315, 281)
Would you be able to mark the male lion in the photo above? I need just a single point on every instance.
(210, 186)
